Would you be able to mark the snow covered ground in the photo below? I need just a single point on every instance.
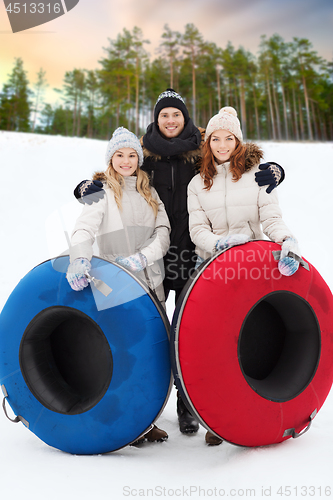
(38, 176)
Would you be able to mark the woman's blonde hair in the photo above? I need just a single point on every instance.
(116, 182)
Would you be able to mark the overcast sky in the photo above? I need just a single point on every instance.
(76, 40)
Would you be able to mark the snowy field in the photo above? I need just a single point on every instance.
(38, 175)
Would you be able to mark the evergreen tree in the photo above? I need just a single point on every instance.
(74, 95)
(157, 79)
(170, 48)
(117, 75)
(140, 60)
(38, 94)
(46, 120)
(14, 100)
(306, 61)
(192, 42)
(284, 93)
(92, 87)
(62, 121)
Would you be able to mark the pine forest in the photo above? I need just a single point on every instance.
(284, 92)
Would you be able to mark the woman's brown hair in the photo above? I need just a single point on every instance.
(208, 169)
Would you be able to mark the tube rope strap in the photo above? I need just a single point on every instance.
(294, 434)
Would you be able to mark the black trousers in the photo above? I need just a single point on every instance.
(177, 291)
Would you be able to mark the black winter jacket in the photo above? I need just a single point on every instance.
(170, 176)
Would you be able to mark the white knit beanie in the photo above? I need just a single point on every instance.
(226, 119)
(123, 138)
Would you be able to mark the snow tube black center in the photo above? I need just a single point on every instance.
(86, 372)
(252, 350)
(65, 360)
(279, 346)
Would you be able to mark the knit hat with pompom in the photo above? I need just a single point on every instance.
(226, 119)
(123, 138)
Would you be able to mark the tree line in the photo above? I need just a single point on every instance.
(285, 92)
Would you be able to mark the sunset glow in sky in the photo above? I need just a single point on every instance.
(76, 39)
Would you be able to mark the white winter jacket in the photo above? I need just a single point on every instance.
(124, 232)
(231, 207)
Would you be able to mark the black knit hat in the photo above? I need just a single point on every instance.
(170, 99)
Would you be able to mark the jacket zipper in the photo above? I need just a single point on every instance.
(145, 271)
(225, 197)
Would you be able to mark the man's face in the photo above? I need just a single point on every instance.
(171, 122)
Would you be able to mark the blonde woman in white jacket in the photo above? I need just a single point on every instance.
(226, 206)
(129, 223)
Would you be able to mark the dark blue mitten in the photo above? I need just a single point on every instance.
(271, 175)
(89, 191)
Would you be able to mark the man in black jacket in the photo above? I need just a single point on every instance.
(172, 148)
(172, 151)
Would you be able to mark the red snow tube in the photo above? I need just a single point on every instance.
(251, 349)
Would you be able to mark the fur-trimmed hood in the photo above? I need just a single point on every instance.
(99, 176)
(253, 155)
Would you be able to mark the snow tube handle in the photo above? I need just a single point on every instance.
(16, 419)
(294, 434)
(99, 284)
(277, 253)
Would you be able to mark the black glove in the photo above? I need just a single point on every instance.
(272, 175)
(89, 191)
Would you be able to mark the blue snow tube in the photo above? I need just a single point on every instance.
(84, 372)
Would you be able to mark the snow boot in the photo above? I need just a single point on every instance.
(212, 440)
(155, 434)
(187, 423)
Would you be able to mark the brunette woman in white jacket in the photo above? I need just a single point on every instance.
(129, 222)
(225, 204)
